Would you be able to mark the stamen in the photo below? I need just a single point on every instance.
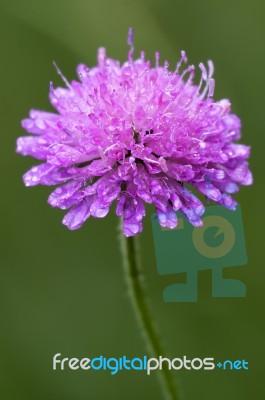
(82, 71)
(211, 87)
(101, 56)
(203, 70)
(130, 43)
(166, 65)
(207, 77)
(102, 154)
(110, 147)
(211, 68)
(157, 57)
(52, 89)
(189, 69)
(151, 161)
(182, 59)
(142, 55)
(59, 72)
(130, 37)
(203, 77)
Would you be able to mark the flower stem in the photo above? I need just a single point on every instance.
(137, 293)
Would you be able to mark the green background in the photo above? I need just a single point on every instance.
(64, 291)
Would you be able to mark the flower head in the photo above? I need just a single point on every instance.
(135, 134)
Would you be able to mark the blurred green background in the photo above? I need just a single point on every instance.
(64, 291)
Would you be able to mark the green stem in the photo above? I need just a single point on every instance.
(141, 307)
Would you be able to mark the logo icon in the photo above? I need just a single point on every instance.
(216, 245)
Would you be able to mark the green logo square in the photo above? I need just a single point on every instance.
(219, 243)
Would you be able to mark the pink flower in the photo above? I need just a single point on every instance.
(136, 134)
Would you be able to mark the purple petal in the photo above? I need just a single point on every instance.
(167, 219)
(67, 195)
(75, 218)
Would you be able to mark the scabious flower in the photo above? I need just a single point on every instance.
(135, 134)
